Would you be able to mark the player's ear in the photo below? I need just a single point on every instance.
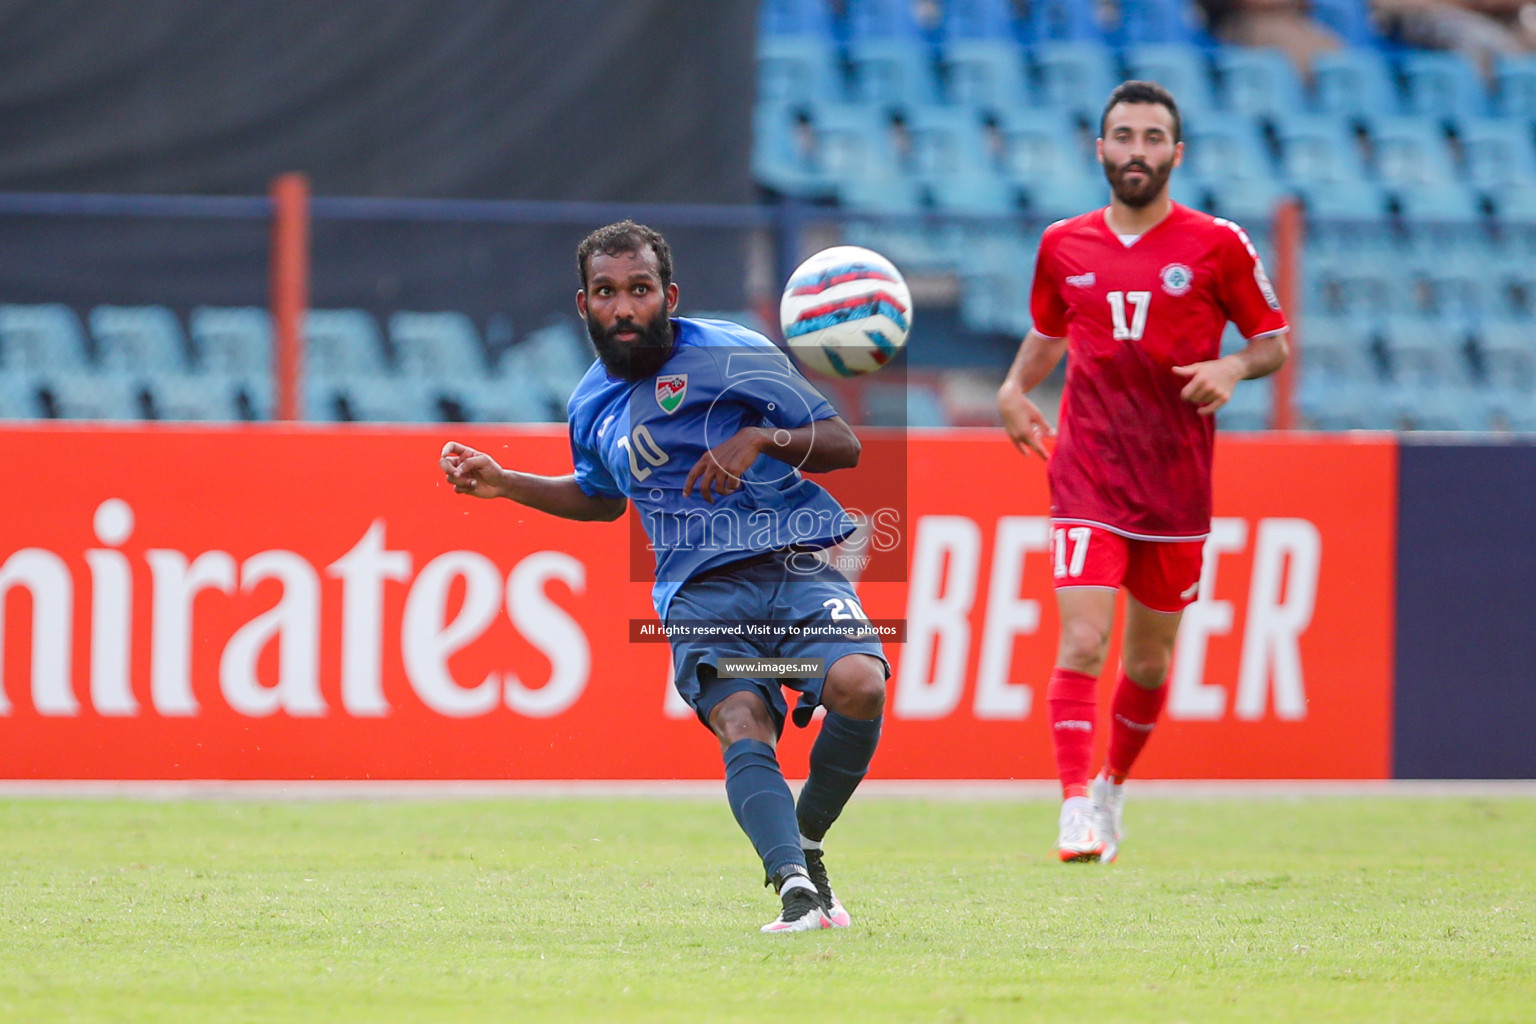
(672, 297)
(1178, 153)
(581, 302)
(1098, 148)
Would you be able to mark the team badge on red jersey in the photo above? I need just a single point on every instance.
(1177, 278)
(670, 391)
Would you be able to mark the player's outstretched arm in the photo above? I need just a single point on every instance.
(476, 473)
(1211, 382)
(818, 447)
(1023, 421)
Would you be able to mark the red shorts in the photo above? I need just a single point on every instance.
(1164, 575)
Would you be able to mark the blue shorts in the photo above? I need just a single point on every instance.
(792, 605)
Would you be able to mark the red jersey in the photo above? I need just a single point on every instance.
(1131, 455)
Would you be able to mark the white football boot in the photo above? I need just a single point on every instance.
(802, 908)
(1108, 814)
(1078, 839)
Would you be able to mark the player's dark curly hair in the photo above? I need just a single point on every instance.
(620, 239)
(1143, 92)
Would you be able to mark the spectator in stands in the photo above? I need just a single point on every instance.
(1481, 29)
(1283, 24)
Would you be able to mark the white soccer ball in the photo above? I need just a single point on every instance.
(846, 311)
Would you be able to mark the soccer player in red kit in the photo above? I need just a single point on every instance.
(1138, 295)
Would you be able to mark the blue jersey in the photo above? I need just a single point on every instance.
(639, 440)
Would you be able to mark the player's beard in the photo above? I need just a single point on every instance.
(638, 359)
(1153, 181)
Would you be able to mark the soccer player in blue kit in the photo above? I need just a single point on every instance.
(707, 427)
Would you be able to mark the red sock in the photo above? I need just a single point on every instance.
(1133, 715)
(1073, 700)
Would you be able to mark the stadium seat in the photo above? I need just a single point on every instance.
(19, 396)
(784, 153)
(852, 144)
(207, 397)
(371, 398)
(1443, 85)
(1449, 204)
(1318, 150)
(46, 337)
(1517, 208)
(1054, 198)
(234, 340)
(436, 345)
(1353, 83)
(1225, 149)
(1410, 151)
(1041, 144)
(794, 18)
(1180, 68)
(343, 341)
(1509, 355)
(96, 396)
(1349, 19)
(891, 72)
(881, 19)
(138, 338)
(978, 20)
(946, 143)
(795, 70)
(1156, 21)
(1515, 87)
(1063, 20)
(1074, 76)
(985, 74)
(1258, 82)
(539, 373)
(1498, 153)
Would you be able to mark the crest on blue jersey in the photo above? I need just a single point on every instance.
(670, 390)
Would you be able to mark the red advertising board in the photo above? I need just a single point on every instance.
(271, 603)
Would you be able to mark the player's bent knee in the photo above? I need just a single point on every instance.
(742, 716)
(1083, 647)
(855, 687)
(1150, 672)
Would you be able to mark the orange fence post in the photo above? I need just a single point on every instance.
(1288, 229)
(290, 288)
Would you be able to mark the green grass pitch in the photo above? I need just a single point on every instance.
(597, 909)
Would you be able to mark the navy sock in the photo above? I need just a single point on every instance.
(763, 805)
(839, 758)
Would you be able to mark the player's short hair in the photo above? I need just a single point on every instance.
(625, 237)
(1142, 92)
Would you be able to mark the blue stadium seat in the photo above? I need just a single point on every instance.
(1063, 20)
(1318, 150)
(1449, 204)
(1054, 198)
(1074, 76)
(47, 336)
(1180, 68)
(138, 338)
(797, 70)
(892, 71)
(1225, 149)
(985, 74)
(945, 143)
(1157, 21)
(343, 341)
(1349, 19)
(19, 395)
(370, 398)
(1247, 202)
(1442, 84)
(853, 147)
(1515, 87)
(436, 345)
(784, 153)
(1517, 208)
(1411, 151)
(1353, 83)
(1258, 81)
(1509, 355)
(534, 377)
(207, 397)
(996, 272)
(794, 18)
(1041, 143)
(1498, 153)
(978, 20)
(881, 19)
(96, 396)
(232, 339)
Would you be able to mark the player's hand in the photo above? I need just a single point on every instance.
(1210, 383)
(1024, 423)
(471, 472)
(719, 470)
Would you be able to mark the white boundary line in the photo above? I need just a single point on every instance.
(694, 789)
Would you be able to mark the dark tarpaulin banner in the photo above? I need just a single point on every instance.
(621, 100)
